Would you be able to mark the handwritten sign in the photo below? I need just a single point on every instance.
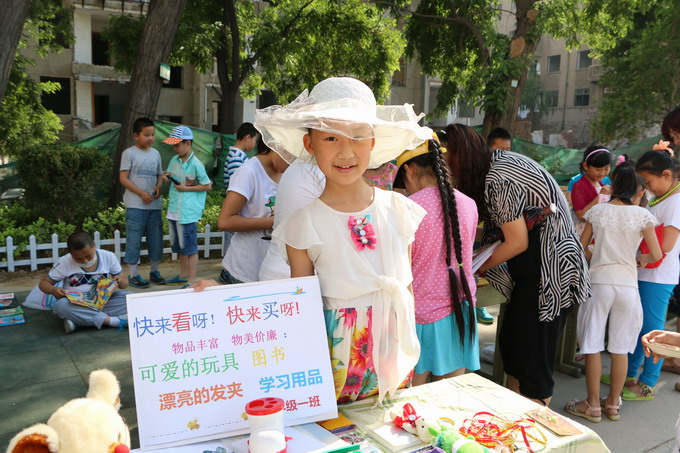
(198, 358)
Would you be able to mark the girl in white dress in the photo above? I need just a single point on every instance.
(356, 238)
(618, 227)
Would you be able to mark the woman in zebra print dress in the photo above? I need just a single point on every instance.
(543, 273)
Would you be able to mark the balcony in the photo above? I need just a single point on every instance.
(116, 6)
(86, 72)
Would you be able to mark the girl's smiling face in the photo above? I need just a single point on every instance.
(596, 174)
(342, 159)
(659, 185)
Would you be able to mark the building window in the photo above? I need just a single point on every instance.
(265, 99)
(399, 77)
(101, 108)
(59, 101)
(554, 63)
(175, 81)
(552, 98)
(100, 50)
(171, 118)
(581, 97)
(465, 109)
(584, 60)
(60, 39)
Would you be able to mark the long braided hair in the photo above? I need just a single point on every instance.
(434, 161)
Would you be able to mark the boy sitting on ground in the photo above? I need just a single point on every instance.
(80, 270)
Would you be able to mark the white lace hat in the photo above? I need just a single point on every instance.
(345, 106)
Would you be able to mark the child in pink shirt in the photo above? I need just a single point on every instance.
(444, 288)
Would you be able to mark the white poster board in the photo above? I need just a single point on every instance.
(199, 358)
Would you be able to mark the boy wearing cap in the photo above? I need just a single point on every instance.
(189, 184)
(140, 174)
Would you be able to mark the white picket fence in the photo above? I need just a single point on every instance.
(211, 241)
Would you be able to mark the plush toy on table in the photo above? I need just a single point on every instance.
(83, 425)
(406, 418)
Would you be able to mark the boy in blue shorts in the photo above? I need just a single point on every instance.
(189, 184)
(140, 174)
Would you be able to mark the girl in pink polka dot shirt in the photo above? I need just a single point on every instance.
(443, 281)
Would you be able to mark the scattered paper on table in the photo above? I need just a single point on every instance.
(553, 421)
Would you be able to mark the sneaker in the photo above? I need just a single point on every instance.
(156, 279)
(646, 393)
(69, 326)
(177, 281)
(123, 322)
(185, 286)
(224, 277)
(483, 316)
(137, 281)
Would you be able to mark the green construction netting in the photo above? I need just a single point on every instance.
(562, 162)
(205, 147)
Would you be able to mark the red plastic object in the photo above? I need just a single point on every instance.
(644, 248)
(264, 406)
(121, 448)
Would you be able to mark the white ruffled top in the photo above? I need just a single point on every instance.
(349, 279)
(617, 231)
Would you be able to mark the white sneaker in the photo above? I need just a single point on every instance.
(69, 326)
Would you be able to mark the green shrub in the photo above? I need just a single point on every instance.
(213, 204)
(106, 222)
(20, 222)
(63, 182)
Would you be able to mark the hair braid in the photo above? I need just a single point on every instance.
(452, 231)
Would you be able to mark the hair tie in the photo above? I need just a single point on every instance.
(449, 268)
(661, 146)
(604, 150)
(621, 159)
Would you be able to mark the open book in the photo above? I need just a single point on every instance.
(96, 297)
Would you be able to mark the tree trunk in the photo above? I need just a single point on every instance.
(522, 47)
(154, 46)
(11, 24)
(230, 88)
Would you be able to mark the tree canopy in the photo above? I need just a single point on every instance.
(459, 42)
(641, 74)
(286, 47)
(24, 122)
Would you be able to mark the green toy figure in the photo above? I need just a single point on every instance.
(451, 441)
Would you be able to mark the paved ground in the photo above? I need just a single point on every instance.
(42, 368)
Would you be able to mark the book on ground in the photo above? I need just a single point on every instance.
(11, 312)
(12, 320)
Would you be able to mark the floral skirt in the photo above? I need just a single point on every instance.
(351, 345)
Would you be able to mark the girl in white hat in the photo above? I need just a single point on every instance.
(356, 238)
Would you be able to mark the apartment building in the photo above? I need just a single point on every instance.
(93, 94)
(570, 80)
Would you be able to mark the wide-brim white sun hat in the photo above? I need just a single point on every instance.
(345, 106)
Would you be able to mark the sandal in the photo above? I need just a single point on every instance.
(646, 393)
(607, 407)
(593, 414)
(607, 379)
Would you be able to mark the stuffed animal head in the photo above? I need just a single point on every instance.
(83, 425)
